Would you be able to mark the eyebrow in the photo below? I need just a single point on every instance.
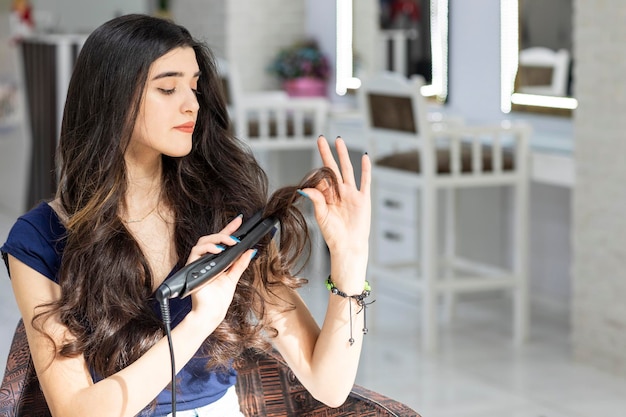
(173, 74)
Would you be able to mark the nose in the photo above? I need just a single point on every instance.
(190, 104)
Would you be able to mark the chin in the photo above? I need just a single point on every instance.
(177, 153)
(180, 151)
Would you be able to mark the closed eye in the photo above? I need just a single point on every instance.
(173, 90)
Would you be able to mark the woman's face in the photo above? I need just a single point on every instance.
(169, 107)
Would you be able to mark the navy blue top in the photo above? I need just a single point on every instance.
(38, 238)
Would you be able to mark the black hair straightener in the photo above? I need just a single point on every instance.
(202, 270)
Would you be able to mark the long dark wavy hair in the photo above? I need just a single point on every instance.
(106, 282)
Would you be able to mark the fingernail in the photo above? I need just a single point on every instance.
(254, 253)
(239, 215)
(320, 136)
(338, 137)
(365, 153)
(220, 247)
(235, 238)
(303, 194)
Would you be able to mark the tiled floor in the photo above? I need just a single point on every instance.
(478, 372)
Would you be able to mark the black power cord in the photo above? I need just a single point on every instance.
(205, 268)
(165, 313)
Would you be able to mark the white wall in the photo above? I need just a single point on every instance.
(206, 20)
(246, 33)
(257, 31)
(82, 16)
(320, 18)
(7, 51)
(14, 147)
(599, 206)
(475, 59)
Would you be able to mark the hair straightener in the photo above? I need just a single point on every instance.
(202, 270)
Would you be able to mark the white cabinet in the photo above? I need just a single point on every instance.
(395, 223)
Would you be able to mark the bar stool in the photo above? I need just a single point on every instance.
(415, 163)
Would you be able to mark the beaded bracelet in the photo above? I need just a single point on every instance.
(360, 300)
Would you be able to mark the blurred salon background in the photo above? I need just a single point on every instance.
(549, 342)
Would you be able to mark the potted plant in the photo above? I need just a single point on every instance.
(303, 69)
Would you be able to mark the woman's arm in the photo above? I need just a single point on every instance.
(325, 360)
(66, 382)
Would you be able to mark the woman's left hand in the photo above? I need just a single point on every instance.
(344, 220)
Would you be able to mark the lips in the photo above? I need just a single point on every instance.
(186, 127)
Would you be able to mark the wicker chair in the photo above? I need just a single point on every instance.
(265, 385)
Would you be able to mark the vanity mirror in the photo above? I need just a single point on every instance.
(406, 36)
(537, 56)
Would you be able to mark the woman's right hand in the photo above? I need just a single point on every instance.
(211, 301)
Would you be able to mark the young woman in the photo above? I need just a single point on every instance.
(151, 179)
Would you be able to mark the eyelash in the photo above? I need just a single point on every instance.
(173, 90)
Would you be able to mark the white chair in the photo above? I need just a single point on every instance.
(272, 122)
(414, 161)
(543, 71)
